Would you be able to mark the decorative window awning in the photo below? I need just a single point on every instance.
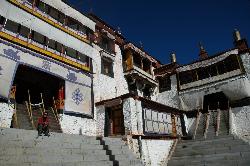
(105, 54)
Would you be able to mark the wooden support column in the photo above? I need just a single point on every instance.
(174, 131)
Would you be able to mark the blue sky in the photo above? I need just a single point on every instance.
(164, 26)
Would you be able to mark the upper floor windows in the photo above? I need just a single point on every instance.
(39, 38)
(24, 31)
(11, 26)
(62, 18)
(50, 44)
(2, 20)
(227, 65)
(107, 67)
(164, 84)
(107, 44)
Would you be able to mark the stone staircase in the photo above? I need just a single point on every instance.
(120, 153)
(25, 123)
(225, 150)
(23, 148)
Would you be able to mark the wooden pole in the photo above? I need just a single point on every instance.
(55, 109)
(43, 109)
(29, 108)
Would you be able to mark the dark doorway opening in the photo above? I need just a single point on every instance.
(36, 82)
(115, 121)
(216, 101)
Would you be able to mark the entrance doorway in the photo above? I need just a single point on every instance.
(116, 121)
(36, 82)
(216, 101)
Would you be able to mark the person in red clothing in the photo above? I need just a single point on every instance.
(43, 125)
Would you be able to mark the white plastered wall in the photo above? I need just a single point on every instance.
(6, 113)
(170, 98)
(106, 87)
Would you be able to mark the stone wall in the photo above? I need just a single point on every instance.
(241, 122)
(6, 113)
(246, 63)
(155, 152)
(170, 98)
(77, 125)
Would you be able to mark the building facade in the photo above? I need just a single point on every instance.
(95, 82)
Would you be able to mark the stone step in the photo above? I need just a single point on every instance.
(45, 158)
(213, 150)
(81, 163)
(211, 144)
(54, 150)
(48, 145)
(130, 163)
(218, 138)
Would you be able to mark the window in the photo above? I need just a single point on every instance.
(213, 70)
(107, 67)
(24, 31)
(137, 60)
(82, 29)
(70, 52)
(51, 43)
(221, 67)
(231, 63)
(202, 73)
(54, 13)
(186, 77)
(12, 26)
(39, 38)
(81, 57)
(72, 23)
(43, 7)
(59, 47)
(61, 18)
(164, 84)
(105, 44)
(2, 20)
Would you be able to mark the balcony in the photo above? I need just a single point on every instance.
(228, 67)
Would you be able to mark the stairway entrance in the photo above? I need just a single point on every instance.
(36, 82)
(213, 120)
(36, 92)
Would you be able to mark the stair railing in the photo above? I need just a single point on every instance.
(15, 116)
(55, 110)
(29, 110)
(43, 107)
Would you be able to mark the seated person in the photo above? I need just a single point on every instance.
(43, 124)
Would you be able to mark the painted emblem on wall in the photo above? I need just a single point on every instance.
(71, 76)
(12, 54)
(77, 96)
(46, 65)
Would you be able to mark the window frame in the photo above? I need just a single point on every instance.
(107, 62)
